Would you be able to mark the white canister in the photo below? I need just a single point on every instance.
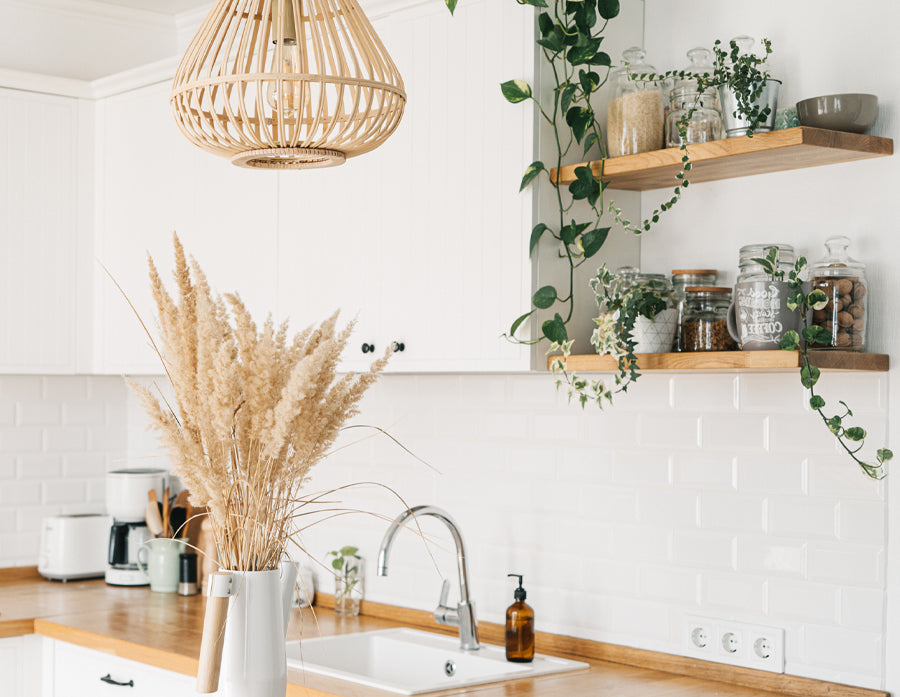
(127, 489)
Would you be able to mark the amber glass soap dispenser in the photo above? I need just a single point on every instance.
(519, 628)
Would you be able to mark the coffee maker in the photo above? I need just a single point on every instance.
(126, 503)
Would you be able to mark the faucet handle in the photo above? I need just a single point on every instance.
(444, 614)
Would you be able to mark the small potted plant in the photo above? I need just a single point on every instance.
(747, 92)
(348, 580)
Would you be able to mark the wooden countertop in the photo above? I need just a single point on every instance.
(164, 630)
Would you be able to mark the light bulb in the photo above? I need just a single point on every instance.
(284, 95)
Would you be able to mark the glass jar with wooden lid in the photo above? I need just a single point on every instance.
(704, 326)
(681, 279)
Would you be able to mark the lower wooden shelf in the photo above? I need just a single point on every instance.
(759, 361)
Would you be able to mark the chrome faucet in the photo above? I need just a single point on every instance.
(463, 615)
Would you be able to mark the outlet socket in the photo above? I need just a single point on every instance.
(735, 643)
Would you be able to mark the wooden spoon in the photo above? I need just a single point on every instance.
(165, 513)
(152, 518)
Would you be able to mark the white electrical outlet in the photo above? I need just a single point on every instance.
(735, 643)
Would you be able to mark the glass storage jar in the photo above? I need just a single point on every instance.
(636, 115)
(681, 279)
(751, 270)
(704, 326)
(843, 280)
(700, 63)
(702, 122)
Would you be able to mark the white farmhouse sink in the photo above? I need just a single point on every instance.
(410, 662)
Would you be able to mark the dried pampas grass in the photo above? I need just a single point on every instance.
(255, 410)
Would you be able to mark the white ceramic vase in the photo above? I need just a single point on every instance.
(253, 658)
(656, 335)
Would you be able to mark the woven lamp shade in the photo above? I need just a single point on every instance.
(287, 84)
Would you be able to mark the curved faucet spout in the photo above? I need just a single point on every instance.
(464, 614)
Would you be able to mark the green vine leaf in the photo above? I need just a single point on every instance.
(533, 3)
(592, 241)
(589, 141)
(809, 376)
(545, 23)
(790, 341)
(555, 329)
(565, 98)
(536, 233)
(451, 5)
(534, 169)
(883, 455)
(579, 119)
(856, 434)
(518, 323)
(544, 297)
(516, 91)
(585, 185)
(817, 300)
(589, 81)
(816, 402)
(608, 8)
(817, 335)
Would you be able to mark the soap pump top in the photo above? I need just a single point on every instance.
(519, 593)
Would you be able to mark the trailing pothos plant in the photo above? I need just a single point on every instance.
(851, 438)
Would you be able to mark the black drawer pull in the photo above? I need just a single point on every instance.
(368, 348)
(108, 679)
(398, 346)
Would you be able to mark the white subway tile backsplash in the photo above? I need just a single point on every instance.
(564, 427)
(773, 473)
(65, 439)
(726, 511)
(705, 471)
(859, 390)
(66, 389)
(39, 466)
(731, 432)
(609, 503)
(84, 414)
(652, 392)
(641, 543)
(845, 563)
(577, 465)
(8, 520)
(84, 464)
(862, 608)
(801, 433)
(839, 646)
(771, 393)
(610, 428)
(63, 492)
(20, 388)
(7, 414)
(674, 585)
(503, 425)
(15, 493)
(836, 476)
(771, 556)
(7, 467)
(670, 507)
(860, 521)
(642, 467)
(19, 440)
(668, 430)
(811, 518)
(703, 549)
(801, 600)
(735, 593)
(38, 414)
(705, 393)
(610, 577)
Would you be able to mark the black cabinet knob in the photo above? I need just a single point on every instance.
(368, 348)
(398, 346)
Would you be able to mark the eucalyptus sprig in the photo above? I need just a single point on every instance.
(851, 438)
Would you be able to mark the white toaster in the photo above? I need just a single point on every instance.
(74, 546)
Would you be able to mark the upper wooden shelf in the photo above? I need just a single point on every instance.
(791, 148)
(758, 361)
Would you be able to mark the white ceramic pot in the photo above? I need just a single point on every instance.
(253, 658)
(656, 335)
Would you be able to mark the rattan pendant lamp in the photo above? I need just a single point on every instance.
(287, 84)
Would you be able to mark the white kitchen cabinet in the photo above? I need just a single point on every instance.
(20, 666)
(39, 217)
(152, 182)
(81, 672)
(426, 237)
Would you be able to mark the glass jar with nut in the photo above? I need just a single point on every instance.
(704, 326)
(843, 280)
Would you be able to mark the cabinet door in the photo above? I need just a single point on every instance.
(38, 232)
(20, 665)
(426, 237)
(80, 672)
(153, 182)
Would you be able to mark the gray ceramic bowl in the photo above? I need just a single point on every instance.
(839, 112)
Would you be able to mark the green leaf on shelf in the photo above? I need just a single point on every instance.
(536, 233)
(534, 169)
(544, 297)
(555, 329)
(608, 8)
(516, 91)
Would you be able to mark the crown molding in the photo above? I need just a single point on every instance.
(150, 74)
(45, 84)
(91, 9)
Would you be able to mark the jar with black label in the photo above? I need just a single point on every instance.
(843, 280)
(704, 326)
(681, 279)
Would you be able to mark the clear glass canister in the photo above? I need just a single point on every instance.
(630, 276)
(681, 279)
(704, 326)
(636, 115)
(694, 111)
(843, 280)
(751, 270)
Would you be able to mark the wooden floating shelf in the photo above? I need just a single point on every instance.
(777, 151)
(758, 361)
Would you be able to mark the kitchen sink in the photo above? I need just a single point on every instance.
(410, 661)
